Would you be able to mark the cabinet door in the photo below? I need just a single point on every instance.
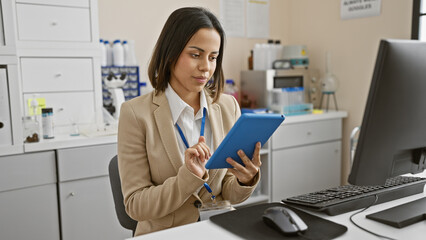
(305, 169)
(53, 23)
(29, 213)
(88, 212)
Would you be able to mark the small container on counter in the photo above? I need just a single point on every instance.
(47, 120)
(31, 129)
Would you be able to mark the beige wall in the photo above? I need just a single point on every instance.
(143, 20)
(353, 44)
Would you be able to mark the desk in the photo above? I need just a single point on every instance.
(208, 230)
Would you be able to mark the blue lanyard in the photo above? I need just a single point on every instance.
(203, 122)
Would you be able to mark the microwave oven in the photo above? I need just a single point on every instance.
(257, 84)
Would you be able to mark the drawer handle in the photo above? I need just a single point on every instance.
(54, 23)
(72, 194)
(309, 133)
(58, 75)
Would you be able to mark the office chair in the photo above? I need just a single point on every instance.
(114, 178)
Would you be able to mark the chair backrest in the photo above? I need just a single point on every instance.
(114, 178)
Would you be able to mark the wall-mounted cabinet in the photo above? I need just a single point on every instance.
(49, 49)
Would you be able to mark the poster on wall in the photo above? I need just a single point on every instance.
(350, 9)
(232, 17)
(258, 18)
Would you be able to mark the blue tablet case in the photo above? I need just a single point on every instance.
(249, 129)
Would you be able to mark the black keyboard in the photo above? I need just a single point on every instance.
(346, 198)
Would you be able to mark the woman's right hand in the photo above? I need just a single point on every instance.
(197, 156)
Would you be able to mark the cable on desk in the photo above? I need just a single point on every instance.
(362, 228)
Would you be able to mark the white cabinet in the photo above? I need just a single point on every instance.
(86, 202)
(306, 155)
(304, 169)
(57, 74)
(50, 49)
(52, 23)
(28, 197)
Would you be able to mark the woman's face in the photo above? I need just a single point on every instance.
(197, 63)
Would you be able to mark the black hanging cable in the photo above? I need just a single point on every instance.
(362, 228)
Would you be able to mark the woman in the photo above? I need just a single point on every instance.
(165, 137)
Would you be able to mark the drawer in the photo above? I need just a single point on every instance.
(85, 162)
(26, 170)
(306, 133)
(52, 23)
(56, 74)
(70, 3)
(74, 107)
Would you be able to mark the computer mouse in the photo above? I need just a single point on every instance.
(284, 220)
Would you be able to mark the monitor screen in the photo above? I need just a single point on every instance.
(392, 139)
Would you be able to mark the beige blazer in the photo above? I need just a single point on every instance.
(159, 191)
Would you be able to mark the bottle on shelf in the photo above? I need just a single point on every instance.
(125, 51)
(117, 54)
(108, 53)
(103, 53)
(47, 121)
(130, 59)
(270, 54)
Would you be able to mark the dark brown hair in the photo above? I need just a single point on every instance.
(181, 25)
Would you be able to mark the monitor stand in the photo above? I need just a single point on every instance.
(402, 215)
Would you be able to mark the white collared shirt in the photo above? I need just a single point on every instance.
(183, 115)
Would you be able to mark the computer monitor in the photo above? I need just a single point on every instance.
(392, 139)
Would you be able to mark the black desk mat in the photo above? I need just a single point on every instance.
(247, 223)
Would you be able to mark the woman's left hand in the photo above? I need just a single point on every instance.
(245, 174)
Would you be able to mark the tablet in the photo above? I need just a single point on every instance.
(249, 129)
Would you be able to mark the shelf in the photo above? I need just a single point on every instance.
(66, 141)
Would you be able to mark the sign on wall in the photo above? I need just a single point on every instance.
(359, 8)
(245, 18)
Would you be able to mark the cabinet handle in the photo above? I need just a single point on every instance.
(58, 75)
(72, 194)
(309, 133)
(54, 23)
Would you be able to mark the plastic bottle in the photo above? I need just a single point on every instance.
(130, 54)
(260, 56)
(47, 121)
(230, 88)
(125, 51)
(109, 53)
(270, 54)
(278, 50)
(117, 54)
(103, 53)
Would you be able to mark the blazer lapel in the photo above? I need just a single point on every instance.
(163, 119)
